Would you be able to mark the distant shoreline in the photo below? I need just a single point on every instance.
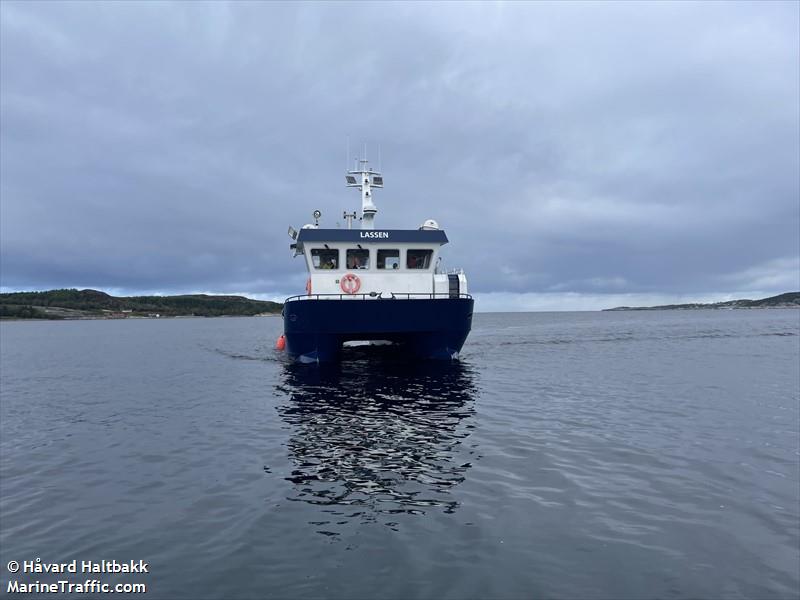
(76, 305)
(134, 318)
(787, 300)
(93, 305)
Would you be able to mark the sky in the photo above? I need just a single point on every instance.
(579, 155)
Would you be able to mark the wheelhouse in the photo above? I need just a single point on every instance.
(375, 263)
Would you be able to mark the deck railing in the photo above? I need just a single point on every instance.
(377, 296)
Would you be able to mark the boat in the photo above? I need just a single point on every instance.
(374, 286)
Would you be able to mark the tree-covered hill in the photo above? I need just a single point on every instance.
(72, 303)
(787, 300)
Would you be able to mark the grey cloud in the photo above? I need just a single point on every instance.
(588, 148)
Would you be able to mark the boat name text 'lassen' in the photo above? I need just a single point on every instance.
(374, 234)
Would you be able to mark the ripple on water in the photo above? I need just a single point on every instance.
(385, 436)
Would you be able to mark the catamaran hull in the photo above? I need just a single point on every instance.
(315, 329)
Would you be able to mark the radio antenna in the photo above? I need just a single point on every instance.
(365, 179)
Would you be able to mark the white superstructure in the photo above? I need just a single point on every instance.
(373, 262)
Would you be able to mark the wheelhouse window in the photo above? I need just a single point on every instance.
(418, 259)
(325, 258)
(357, 259)
(388, 259)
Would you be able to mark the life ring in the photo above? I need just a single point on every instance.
(308, 286)
(350, 283)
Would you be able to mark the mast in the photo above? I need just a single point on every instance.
(364, 178)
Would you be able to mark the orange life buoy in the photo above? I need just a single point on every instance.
(280, 343)
(350, 283)
(308, 286)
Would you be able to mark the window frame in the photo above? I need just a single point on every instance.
(384, 268)
(361, 251)
(427, 267)
(324, 250)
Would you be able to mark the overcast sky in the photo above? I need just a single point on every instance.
(578, 155)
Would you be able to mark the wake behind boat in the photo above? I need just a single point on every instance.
(375, 285)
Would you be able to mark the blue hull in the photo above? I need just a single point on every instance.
(315, 329)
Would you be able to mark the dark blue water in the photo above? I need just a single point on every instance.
(569, 455)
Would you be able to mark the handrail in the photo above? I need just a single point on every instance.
(377, 296)
(453, 271)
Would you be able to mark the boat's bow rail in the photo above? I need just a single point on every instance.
(377, 296)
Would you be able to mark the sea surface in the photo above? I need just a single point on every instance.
(566, 455)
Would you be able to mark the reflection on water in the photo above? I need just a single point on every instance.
(378, 434)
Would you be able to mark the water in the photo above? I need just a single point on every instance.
(572, 455)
